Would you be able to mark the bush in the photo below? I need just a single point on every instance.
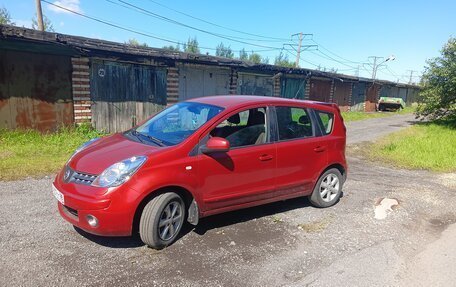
(437, 99)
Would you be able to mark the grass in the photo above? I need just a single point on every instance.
(430, 146)
(31, 153)
(359, 116)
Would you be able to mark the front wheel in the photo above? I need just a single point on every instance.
(162, 220)
(328, 189)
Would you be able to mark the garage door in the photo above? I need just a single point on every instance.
(200, 82)
(253, 84)
(341, 95)
(320, 90)
(125, 94)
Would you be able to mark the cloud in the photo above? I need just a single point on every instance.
(72, 5)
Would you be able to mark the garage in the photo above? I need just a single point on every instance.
(35, 90)
(199, 81)
(342, 95)
(255, 84)
(124, 94)
(320, 89)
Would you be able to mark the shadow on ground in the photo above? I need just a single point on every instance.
(207, 223)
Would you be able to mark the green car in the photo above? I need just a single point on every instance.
(391, 104)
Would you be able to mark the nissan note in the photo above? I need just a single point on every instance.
(202, 157)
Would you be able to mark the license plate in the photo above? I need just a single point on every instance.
(58, 195)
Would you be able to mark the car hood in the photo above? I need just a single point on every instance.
(106, 151)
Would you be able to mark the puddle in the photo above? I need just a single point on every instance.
(384, 207)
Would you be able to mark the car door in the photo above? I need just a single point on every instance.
(301, 154)
(245, 173)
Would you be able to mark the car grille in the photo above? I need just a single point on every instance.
(79, 177)
(83, 178)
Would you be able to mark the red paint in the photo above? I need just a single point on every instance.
(219, 181)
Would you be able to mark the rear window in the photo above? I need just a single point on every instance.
(326, 121)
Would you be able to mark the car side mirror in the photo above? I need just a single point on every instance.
(215, 144)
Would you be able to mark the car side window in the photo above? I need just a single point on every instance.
(293, 123)
(246, 128)
(326, 121)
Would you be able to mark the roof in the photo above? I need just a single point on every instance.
(238, 101)
(83, 46)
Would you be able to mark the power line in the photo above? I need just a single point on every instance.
(118, 26)
(301, 59)
(336, 55)
(326, 56)
(223, 27)
(163, 18)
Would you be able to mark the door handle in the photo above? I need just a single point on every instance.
(265, 157)
(320, 149)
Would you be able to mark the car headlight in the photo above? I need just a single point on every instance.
(119, 172)
(83, 146)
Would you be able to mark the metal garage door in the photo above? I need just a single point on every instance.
(341, 95)
(293, 88)
(358, 97)
(203, 81)
(35, 90)
(320, 90)
(254, 84)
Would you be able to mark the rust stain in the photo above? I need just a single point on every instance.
(36, 92)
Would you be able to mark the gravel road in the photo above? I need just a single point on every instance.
(287, 243)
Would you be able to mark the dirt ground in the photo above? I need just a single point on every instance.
(287, 243)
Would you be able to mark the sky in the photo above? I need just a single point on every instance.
(346, 32)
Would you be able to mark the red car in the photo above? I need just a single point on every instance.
(202, 157)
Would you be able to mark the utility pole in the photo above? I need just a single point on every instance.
(300, 47)
(39, 15)
(374, 66)
(298, 56)
(411, 76)
(357, 71)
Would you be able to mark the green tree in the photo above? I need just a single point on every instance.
(437, 98)
(135, 43)
(224, 51)
(243, 55)
(176, 48)
(282, 60)
(5, 17)
(192, 46)
(48, 27)
(255, 58)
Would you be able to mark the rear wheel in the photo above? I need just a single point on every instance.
(328, 189)
(162, 220)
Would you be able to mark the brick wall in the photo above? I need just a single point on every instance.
(277, 87)
(81, 90)
(233, 82)
(172, 86)
(350, 93)
(331, 93)
(307, 91)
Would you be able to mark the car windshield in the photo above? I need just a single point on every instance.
(175, 124)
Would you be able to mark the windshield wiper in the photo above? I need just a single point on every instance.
(151, 138)
(136, 134)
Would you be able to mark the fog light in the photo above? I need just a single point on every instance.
(92, 220)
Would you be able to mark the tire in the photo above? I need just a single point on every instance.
(162, 220)
(327, 196)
